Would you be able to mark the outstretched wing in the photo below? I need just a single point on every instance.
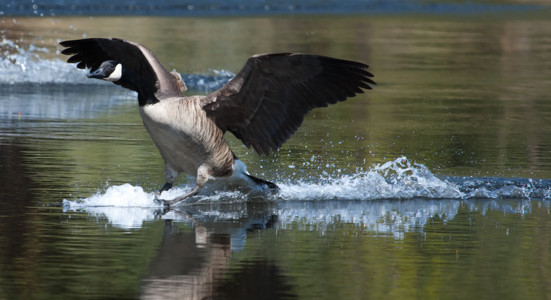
(91, 52)
(265, 103)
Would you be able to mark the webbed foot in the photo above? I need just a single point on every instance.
(158, 193)
(179, 199)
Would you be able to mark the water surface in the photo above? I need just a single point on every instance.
(436, 184)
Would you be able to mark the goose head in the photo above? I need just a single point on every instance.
(113, 71)
(109, 70)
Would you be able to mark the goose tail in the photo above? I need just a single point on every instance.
(262, 182)
(241, 169)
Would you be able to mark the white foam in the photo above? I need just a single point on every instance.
(404, 194)
(398, 179)
(128, 206)
(125, 206)
(125, 195)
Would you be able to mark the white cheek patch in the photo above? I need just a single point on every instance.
(115, 75)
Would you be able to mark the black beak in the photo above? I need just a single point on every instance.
(96, 74)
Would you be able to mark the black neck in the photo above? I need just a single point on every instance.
(143, 101)
(146, 91)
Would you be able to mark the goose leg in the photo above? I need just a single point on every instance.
(202, 178)
(170, 176)
(165, 187)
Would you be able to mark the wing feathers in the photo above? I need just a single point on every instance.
(266, 101)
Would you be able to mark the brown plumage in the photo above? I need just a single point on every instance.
(263, 105)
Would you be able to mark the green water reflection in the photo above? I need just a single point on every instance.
(478, 255)
(464, 96)
(486, 255)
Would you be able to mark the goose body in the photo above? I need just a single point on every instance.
(187, 138)
(262, 105)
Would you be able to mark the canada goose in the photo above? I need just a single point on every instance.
(262, 105)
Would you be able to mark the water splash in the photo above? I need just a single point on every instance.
(364, 198)
(125, 205)
(22, 66)
(211, 81)
(398, 179)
